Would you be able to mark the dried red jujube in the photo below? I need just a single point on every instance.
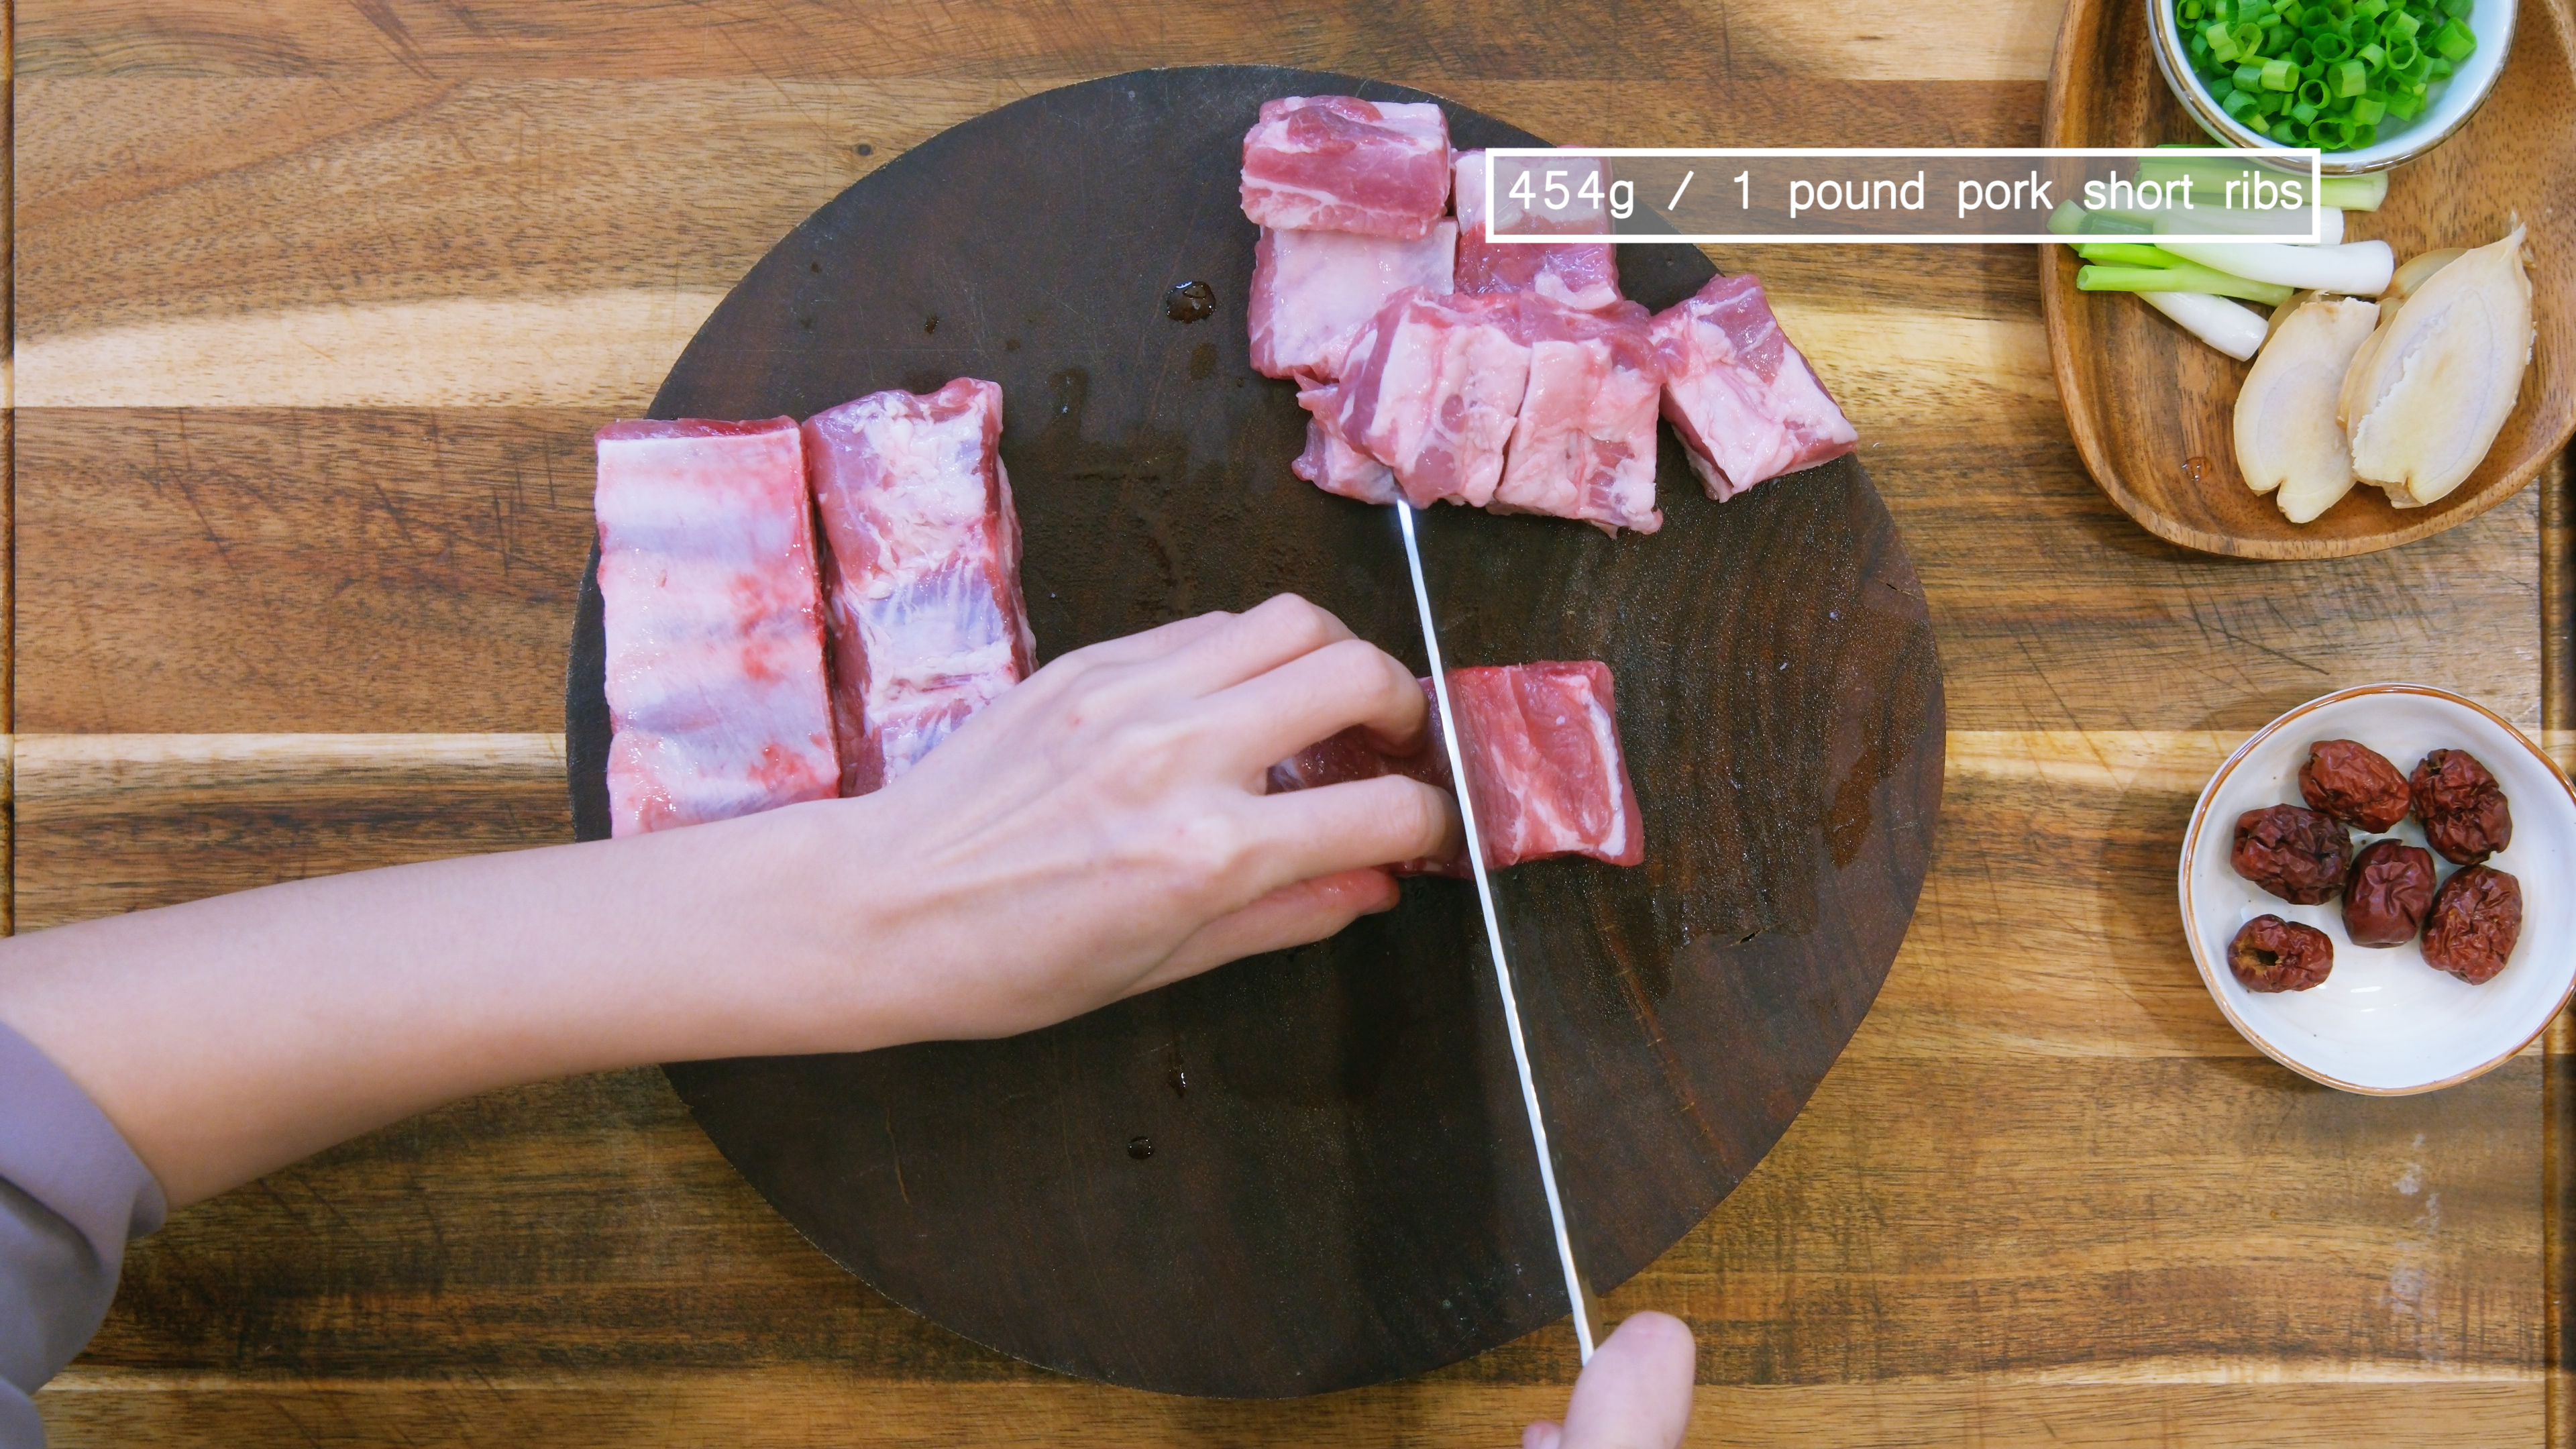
(2271, 954)
(2354, 783)
(2463, 809)
(2298, 855)
(2387, 893)
(2477, 917)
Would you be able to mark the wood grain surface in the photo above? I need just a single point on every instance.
(317, 305)
(2153, 408)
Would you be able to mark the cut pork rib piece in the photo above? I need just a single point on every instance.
(713, 622)
(1330, 462)
(1543, 762)
(1431, 387)
(1745, 402)
(923, 573)
(1337, 163)
(1584, 443)
(1312, 291)
(1544, 766)
(1581, 274)
(1506, 400)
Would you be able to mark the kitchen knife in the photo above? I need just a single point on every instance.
(1578, 1288)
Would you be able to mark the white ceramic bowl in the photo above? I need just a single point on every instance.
(2383, 1022)
(2452, 101)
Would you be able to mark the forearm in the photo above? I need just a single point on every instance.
(229, 1036)
(1098, 831)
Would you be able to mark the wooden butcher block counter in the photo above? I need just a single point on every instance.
(316, 305)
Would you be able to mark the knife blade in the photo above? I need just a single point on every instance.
(1578, 1287)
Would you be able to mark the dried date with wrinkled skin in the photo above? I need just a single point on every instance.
(2271, 954)
(2299, 855)
(2464, 812)
(2387, 894)
(2477, 917)
(2355, 784)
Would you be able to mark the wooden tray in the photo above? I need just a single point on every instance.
(2152, 408)
(1339, 1188)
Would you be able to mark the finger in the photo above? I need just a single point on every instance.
(1155, 643)
(1292, 915)
(1545, 1434)
(1636, 1392)
(1316, 696)
(1254, 642)
(1383, 821)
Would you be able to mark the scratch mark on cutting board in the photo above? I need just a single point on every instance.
(897, 1155)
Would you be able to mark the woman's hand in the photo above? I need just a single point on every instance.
(1101, 830)
(1635, 1394)
(1098, 831)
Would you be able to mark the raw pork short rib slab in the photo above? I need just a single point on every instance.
(1544, 767)
(714, 623)
(1745, 402)
(923, 573)
(1584, 443)
(1583, 275)
(1312, 291)
(1337, 163)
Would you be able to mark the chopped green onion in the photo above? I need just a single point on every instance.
(2454, 41)
(2221, 45)
(2404, 105)
(2373, 57)
(2279, 75)
(2330, 47)
(2367, 110)
(2313, 95)
(2348, 78)
(2180, 277)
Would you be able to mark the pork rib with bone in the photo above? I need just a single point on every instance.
(1583, 275)
(1312, 291)
(1743, 399)
(712, 621)
(1339, 163)
(1509, 400)
(923, 575)
(1544, 768)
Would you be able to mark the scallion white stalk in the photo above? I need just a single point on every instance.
(2234, 330)
(2355, 269)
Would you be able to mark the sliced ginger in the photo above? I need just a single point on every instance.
(2287, 435)
(2425, 399)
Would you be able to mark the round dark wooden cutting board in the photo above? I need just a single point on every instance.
(1309, 1171)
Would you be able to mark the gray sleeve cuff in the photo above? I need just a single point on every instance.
(71, 1194)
